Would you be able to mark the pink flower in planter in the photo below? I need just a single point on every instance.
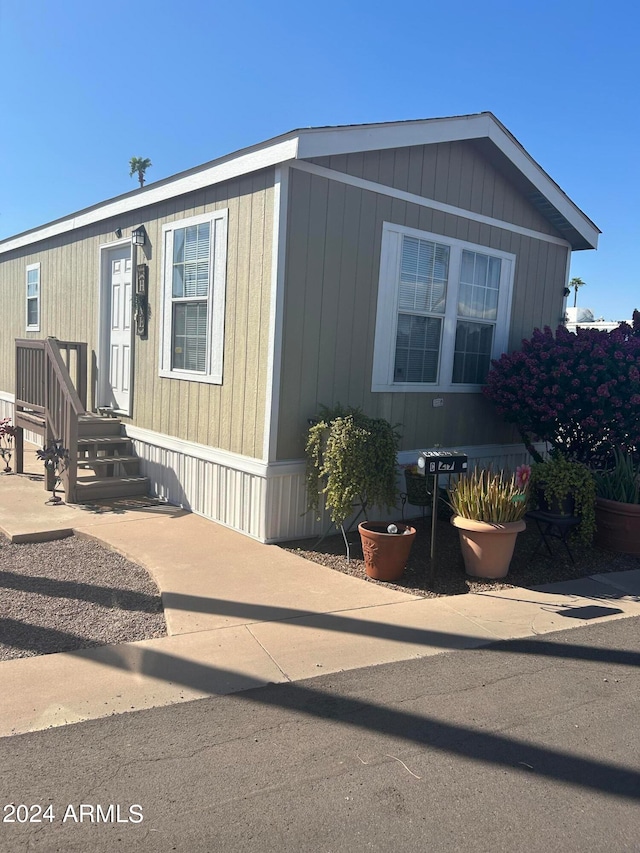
(523, 475)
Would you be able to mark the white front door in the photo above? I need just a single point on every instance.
(119, 339)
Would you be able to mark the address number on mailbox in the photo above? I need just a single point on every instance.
(442, 462)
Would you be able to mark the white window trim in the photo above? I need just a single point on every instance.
(35, 327)
(216, 299)
(387, 312)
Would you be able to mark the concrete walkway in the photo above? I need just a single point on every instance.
(241, 614)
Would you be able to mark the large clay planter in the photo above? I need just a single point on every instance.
(385, 554)
(618, 526)
(487, 548)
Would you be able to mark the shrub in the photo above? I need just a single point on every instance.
(580, 392)
(351, 460)
(558, 478)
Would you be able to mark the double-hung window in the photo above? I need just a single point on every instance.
(194, 278)
(443, 312)
(33, 298)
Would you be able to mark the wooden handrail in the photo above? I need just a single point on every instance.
(47, 395)
(63, 408)
(30, 370)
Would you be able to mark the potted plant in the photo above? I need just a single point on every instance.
(618, 504)
(418, 491)
(7, 435)
(352, 464)
(488, 513)
(55, 458)
(563, 488)
(417, 486)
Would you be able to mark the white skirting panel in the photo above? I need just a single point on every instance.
(209, 483)
(286, 493)
(265, 501)
(286, 507)
(6, 407)
(6, 411)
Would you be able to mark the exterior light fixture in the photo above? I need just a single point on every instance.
(138, 236)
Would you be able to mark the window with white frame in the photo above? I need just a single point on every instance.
(33, 298)
(194, 279)
(443, 311)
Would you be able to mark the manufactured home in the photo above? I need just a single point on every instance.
(179, 337)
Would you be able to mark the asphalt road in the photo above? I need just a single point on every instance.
(530, 746)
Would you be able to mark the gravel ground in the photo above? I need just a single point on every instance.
(72, 594)
(527, 567)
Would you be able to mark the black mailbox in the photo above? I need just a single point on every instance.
(442, 462)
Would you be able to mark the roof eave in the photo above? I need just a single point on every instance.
(308, 143)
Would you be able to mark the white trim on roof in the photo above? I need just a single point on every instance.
(214, 174)
(543, 182)
(321, 142)
(324, 142)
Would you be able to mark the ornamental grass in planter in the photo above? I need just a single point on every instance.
(618, 505)
(489, 510)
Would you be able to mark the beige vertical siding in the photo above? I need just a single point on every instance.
(449, 172)
(332, 269)
(229, 416)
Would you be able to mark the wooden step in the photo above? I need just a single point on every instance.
(92, 425)
(103, 441)
(90, 461)
(110, 466)
(105, 488)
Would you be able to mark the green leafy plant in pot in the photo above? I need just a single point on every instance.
(419, 491)
(352, 465)
(7, 436)
(56, 460)
(489, 509)
(564, 488)
(618, 504)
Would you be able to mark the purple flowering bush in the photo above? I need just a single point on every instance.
(580, 392)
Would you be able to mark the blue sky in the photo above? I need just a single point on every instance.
(85, 86)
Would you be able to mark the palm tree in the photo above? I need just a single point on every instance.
(139, 165)
(576, 283)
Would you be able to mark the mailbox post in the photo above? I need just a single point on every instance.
(436, 462)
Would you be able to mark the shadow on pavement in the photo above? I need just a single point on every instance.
(464, 741)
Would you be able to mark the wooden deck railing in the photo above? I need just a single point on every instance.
(49, 401)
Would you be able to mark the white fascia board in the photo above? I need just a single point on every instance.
(539, 178)
(325, 142)
(330, 141)
(232, 167)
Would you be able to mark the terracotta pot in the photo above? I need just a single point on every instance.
(385, 554)
(618, 526)
(487, 548)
